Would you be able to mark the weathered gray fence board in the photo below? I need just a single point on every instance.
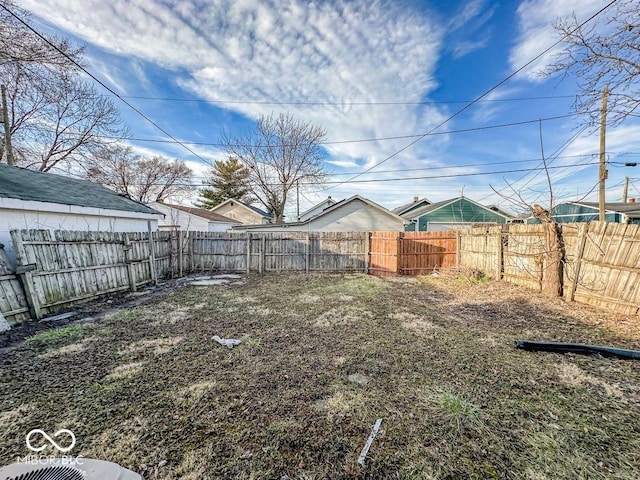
(13, 303)
(278, 252)
(481, 249)
(73, 266)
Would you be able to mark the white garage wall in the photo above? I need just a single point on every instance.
(49, 216)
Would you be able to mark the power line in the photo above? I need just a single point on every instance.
(508, 162)
(379, 139)
(101, 83)
(552, 157)
(435, 177)
(480, 97)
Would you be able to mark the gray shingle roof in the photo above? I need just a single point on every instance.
(256, 209)
(30, 185)
(201, 212)
(403, 208)
(630, 209)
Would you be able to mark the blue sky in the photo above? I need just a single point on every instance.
(363, 70)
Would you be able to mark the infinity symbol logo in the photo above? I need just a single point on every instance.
(50, 440)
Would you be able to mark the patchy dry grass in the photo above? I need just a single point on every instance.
(321, 358)
(55, 336)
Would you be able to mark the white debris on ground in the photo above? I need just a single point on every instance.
(227, 342)
(211, 280)
(208, 282)
(358, 378)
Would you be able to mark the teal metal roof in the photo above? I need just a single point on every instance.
(31, 185)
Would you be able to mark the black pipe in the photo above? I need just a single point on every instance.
(560, 347)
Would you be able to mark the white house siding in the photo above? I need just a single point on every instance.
(353, 216)
(356, 216)
(18, 214)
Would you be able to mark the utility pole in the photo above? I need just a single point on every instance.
(625, 190)
(603, 163)
(7, 127)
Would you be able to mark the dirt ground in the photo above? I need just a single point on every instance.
(322, 357)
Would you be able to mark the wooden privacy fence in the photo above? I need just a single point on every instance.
(602, 266)
(601, 262)
(64, 267)
(277, 252)
(411, 253)
(13, 303)
(56, 269)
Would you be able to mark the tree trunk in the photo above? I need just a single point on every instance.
(552, 262)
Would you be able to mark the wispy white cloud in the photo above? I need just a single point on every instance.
(468, 29)
(339, 52)
(490, 107)
(535, 24)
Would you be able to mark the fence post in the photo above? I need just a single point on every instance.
(152, 255)
(263, 253)
(499, 253)
(24, 272)
(191, 237)
(248, 252)
(127, 261)
(399, 255)
(180, 257)
(367, 252)
(458, 246)
(583, 230)
(307, 252)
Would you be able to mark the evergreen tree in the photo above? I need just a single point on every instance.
(228, 179)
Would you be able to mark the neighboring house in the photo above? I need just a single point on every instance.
(31, 199)
(460, 213)
(417, 203)
(179, 217)
(242, 212)
(355, 214)
(316, 209)
(572, 212)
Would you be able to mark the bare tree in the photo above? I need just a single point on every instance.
(603, 54)
(552, 261)
(281, 153)
(140, 178)
(20, 46)
(55, 118)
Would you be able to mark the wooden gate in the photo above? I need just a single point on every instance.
(383, 253)
(423, 252)
(411, 253)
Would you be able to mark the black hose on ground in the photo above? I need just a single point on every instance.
(560, 347)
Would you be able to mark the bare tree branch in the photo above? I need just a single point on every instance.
(143, 179)
(280, 152)
(603, 54)
(57, 120)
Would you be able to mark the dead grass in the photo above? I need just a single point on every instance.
(321, 358)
